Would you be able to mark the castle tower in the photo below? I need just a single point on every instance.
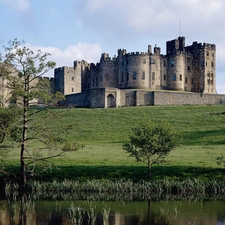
(121, 68)
(138, 70)
(209, 71)
(201, 68)
(155, 69)
(68, 79)
(176, 63)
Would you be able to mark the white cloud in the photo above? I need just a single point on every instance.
(19, 5)
(221, 88)
(81, 51)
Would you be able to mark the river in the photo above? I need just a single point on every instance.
(113, 213)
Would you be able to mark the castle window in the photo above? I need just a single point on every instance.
(180, 77)
(211, 78)
(153, 76)
(143, 75)
(174, 77)
(203, 63)
(164, 63)
(72, 78)
(164, 77)
(212, 64)
(152, 61)
(189, 68)
(134, 75)
(72, 90)
(172, 62)
(186, 80)
(144, 60)
(192, 81)
(207, 53)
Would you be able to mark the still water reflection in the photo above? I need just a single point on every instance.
(113, 213)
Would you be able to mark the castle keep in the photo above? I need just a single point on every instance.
(133, 78)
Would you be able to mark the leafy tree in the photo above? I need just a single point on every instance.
(151, 142)
(6, 121)
(21, 71)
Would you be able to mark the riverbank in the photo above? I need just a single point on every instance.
(120, 190)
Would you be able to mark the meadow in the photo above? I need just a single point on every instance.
(102, 132)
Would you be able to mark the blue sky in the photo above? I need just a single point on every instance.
(83, 29)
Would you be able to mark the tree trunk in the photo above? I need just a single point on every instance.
(149, 169)
(24, 134)
(23, 147)
(149, 212)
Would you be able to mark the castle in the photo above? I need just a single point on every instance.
(134, 78)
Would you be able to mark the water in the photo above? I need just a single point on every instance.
(113, 213)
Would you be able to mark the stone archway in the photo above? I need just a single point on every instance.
(111, 101)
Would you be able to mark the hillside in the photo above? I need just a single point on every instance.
(103, 132)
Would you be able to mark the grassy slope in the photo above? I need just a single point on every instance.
(103, 131)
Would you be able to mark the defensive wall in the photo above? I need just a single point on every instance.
(113, 97)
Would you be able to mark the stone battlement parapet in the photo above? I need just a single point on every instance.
(61, 69)
(137, 54)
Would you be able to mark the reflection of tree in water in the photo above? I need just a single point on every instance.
(21, 211)
(55, 216)
(155, 218)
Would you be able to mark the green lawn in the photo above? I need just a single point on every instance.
(103, 132)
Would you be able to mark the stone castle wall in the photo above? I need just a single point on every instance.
(113, 97)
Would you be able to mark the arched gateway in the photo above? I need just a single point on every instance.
(111, 101)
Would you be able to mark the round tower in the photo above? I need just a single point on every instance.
(137, 70)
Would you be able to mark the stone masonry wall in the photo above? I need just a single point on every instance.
(173, 98)
(97, 98)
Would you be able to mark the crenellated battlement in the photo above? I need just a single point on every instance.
(209, 46)
(137, 54)
(122, 52)
(63, 68)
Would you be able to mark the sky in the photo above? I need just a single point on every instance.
(84, 29)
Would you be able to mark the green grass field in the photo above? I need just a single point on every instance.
(103, 132)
